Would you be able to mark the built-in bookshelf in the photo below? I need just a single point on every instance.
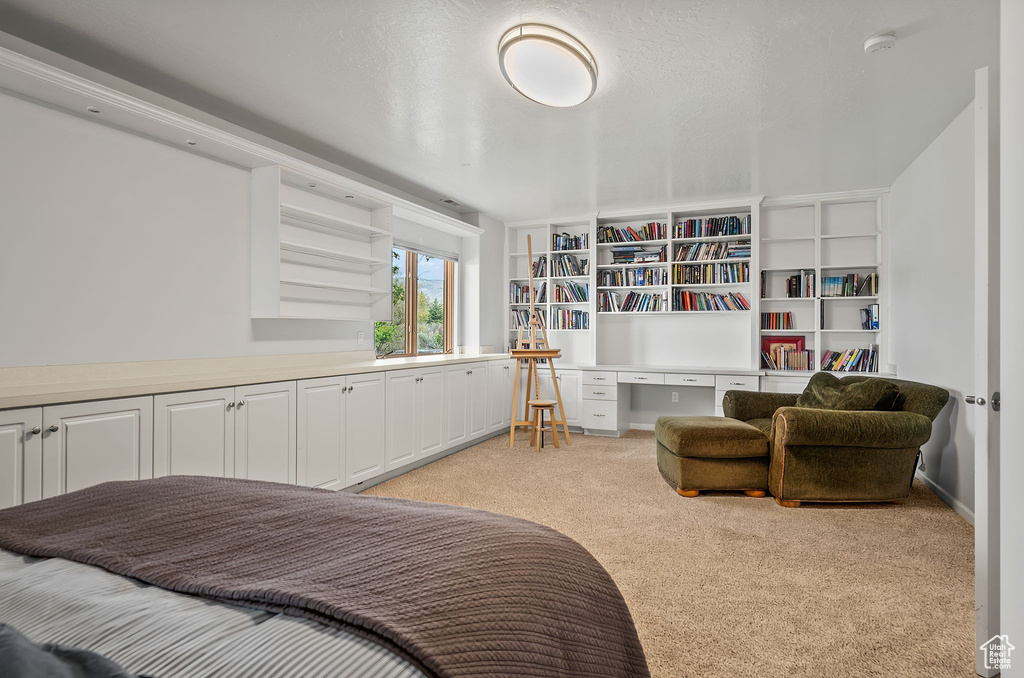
(821, 284)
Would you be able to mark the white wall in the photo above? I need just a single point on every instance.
(483, 292)
(931, 263)
(1011, 510)
(116, 248)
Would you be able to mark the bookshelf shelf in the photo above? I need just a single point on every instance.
(704, 285)
(850, 331)
(785, 332)
(526, 254)
(714, 238)
(734, 260)
(632, 287)
(840, 298)
(851, 235)
(636, 243)
(787, 299)
(852, 267)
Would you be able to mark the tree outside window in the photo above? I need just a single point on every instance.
(422, 297)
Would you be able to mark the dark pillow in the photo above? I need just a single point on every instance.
(827, 392)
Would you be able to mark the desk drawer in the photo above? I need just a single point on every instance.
(598, 378)
(601, 392)
(601, 415)
(690, 379)
(641, 378)
(726, 382)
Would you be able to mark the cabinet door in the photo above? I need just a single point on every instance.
(21, 456)
(431, 408)
(320, 432)
(477, 399)
(456, 391)
(364, 426)
(194, 434)
(571, 388)
(265, 432)
(403, 427)
(90, 443)
(498, 385)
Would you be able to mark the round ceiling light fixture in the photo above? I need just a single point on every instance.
(547, 65)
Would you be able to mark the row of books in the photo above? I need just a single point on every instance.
(654, 230)
(685, 300)
(521, 318)
(519, 293)
(540, 268)
(800, 285)
(636, 277)
(608, 302)
(780, 358)
(707, 251)
(709, 274)
(849, 285)
(572, 291)
(777, 321)
(714, 226)
(852, 360)
(566, 319)
(869, 317)
(570, 265)
(638, 255)
(564, 241)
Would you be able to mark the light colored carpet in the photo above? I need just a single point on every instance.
(727, 585)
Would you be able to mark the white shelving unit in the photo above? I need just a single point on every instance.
(825, 236)
(319, 250)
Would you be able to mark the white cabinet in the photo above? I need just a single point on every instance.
(86, 444)
(320, 432)
(365, 439)
(570, 387)
(499, 395)
(265, 432)
(194, 433)
(465, 390)
(415, 414)
(21, 456)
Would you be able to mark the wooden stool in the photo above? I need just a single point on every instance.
(539, 407)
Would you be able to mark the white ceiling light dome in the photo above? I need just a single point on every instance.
(547, 65)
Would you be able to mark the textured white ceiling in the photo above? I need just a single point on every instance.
(696, 98)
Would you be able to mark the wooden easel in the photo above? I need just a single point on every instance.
(537, 349)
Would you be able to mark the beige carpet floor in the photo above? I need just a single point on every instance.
(727, 585)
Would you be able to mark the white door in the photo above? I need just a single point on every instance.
(90, 443)
(456, 391)
(477, 403)
(194, 434)
(365, 443)
(403, 426)
(498, 395)
(265, 432)
(320, 432)
(431, 407)
(986, 367)
(21, 456)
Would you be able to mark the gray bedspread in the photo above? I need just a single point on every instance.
(459, 592)
(153, 632)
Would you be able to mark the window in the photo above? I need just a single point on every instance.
(423, 300)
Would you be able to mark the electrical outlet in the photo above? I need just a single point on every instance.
(675, 396)
(360, 338)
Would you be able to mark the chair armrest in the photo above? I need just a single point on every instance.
(747, 405)
(842, 428)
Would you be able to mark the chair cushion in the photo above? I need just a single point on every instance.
(827, 392)
(710, 437)
(763, 425)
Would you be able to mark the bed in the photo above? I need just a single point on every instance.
(189, 576)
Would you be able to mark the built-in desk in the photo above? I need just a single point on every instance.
(607, 391)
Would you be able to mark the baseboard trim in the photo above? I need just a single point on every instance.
(642, 427)
(947, 498)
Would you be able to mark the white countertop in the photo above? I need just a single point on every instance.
(51, 384)
(669, 369)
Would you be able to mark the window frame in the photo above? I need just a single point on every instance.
(411, 329)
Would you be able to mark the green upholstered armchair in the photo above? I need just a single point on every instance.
(825, 455)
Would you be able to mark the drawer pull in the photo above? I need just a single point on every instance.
(689, 380)
(641, 378)
(599, 379)
(737, 383)
(599, 393)
(598, 415)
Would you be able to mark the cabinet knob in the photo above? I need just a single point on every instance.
(231, 404)
(35, 430)
(469, 371)
(53, 428)
(241, 403)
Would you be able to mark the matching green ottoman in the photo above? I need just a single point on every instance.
(712, 453)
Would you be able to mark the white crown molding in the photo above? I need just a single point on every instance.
(810, 198)
(212, 139)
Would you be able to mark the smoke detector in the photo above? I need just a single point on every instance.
(876, 43)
